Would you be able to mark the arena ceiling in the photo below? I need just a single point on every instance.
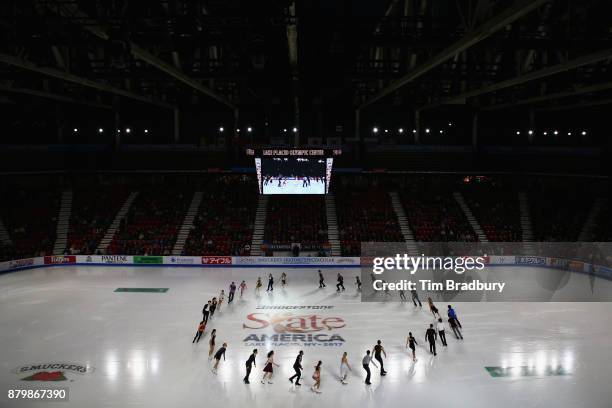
(336, 55)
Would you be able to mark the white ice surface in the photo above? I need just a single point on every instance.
(140, 344)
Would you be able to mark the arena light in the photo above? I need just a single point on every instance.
(450, 124)
(285, 130)
(569, 133)
(583, 133)
(221, 129)
(386, 130)
(75, 130)
(375, 129)
(100, 130)
(545, 133)
(401, 130)
(518, 132)
(530, 132)
(441, 131)
(249, 129)
(294, 130)
(413, 130)
(146, 130)
(427, 130)
(128, 130)
(556, 132)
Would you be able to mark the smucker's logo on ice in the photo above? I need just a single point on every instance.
(51, 371)
(291, 328)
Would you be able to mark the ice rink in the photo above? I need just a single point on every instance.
(138, 352)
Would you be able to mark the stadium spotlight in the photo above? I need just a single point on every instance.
(294, 130)
(401, 130)
(128, 130)
(545, 133)
(375, 129)
(386, 130)
(556, 132)
(413, 130)
(518, 132)
(146, 130)
(530, 132)
(427, 130)
(249, 129)
(584, 133)
(569, 133)
(450, 124)
(285, 130)
(441, 131)
(75, 130)
(100, 130)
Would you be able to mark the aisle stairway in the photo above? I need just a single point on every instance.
(470, 217)
(260, 223)
(333, 236)
(112, 229)
(526, 225)
(63, 223)
(398, 208)
(183, 233)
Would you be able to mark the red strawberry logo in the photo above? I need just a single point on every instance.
(46, 376)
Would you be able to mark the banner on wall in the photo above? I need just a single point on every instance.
(181, 260)
(149, 260)
(297, 260)
(60, 259)
(216, 260)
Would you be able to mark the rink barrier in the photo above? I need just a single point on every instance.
(208, 261)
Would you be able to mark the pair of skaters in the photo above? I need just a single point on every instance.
(270, 288)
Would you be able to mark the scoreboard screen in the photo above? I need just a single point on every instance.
(293, 171)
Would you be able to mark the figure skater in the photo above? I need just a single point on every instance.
(358, 283)
(411, 342)
(321, 280)
(432, 308)
(213, 307)
(344, 368)
(402, 295)
(340, 283)
(283, 279)
(243, 287)
(297, 367)
(453, 314)
(317, 378)
(453, 324)
(199, 332)
(249, 364)
(232, 291)
(378, 350)
(269, 368)
(415, 298)
(258, 285)
(206, 311)
(440, 327)
(367, 359)
(221, 299)
(218, 354)
(430, 336)
(270, 283)
(211, 342)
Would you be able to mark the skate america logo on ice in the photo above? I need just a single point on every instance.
(294, 329)
(51, 371)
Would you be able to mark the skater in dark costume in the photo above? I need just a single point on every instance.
(453, 314)
(297, 367)
(432, 308)
(270, 283)
(269, 368)
(415, 298)
(412, 343)
(211, 342)
(199, 332)
(367, 359)
(206, 311)
(453, 324)
(402, 295)
(249, 364)
(283, 279)
(358, 283)
(378, 350)
(218, 354)
(232, 291)
(431, 336)
(213, 307)
(441, 333)
(321, 280)
(340, 283)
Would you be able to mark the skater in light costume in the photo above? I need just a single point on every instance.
(283, 279)
(317, 378)
(218, 354)
(258, 285)
(432, 308)
(344, 368)
(221, 298)
(412, 343)
(269, 368)
(441, 333)
(243, 287)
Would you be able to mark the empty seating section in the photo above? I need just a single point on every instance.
(496, 207)
(92, 213)
(299, 219)
(434, 216)
(30, 218)
(152, 223)
(224, 223)
(365, 215)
